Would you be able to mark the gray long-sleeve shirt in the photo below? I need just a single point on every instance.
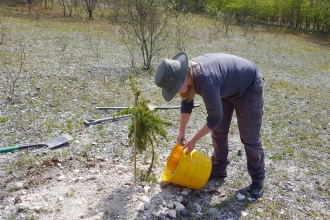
(220, 76)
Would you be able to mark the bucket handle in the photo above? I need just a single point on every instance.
(184, 152)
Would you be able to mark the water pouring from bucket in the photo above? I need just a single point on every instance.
(189, 170)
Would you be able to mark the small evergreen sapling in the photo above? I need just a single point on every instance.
(146, 126)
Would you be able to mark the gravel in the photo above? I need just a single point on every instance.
(92, 177)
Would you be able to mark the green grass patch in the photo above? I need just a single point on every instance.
(3, 119)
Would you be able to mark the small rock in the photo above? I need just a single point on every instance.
(37, 208)
(163, 213)
(179, 206)
(60, 199)
(141, 207)
(17, 185)
(184, 193)
(172, 213)
(245, 213)
(147, 205)
(170, 205)
(185, 213)
(61, 178)
(22, 206)
(260, 210)
(240, 197)
(198, 208)
(164, 204)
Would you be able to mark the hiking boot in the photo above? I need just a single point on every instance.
(256, 190)
(215, 174)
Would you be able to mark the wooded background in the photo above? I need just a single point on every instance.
(308, 15)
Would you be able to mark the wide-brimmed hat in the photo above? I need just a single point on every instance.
(171, 75)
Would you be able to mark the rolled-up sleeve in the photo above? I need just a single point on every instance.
(212, 99)
(187, 106)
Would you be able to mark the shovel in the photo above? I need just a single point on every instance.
(97, 121)
(51, 144)
(151, 107)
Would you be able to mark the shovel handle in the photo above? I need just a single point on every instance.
(8, 149)
(13, 148)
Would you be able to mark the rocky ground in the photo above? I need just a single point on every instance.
(92, 177)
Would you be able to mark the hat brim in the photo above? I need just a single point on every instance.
(183, 59)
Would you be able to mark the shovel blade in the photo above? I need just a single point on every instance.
(64, 138)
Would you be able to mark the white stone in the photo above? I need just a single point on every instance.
(22, 206)
(164, 204)
(141, 207)
(240, 197)
(184, 193)
(17, 185)
(37, 208)
(172, 213)
(198, 208)
(179, 206)
(170, 205)
(61, 178)
(146, 189)
(245, 214)
(147, 205)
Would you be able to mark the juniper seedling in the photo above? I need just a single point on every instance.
(145, 126)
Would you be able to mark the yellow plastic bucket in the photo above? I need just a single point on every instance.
(190, 170)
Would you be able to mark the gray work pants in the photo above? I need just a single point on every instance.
(249, 110)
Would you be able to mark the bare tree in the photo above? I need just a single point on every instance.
(67, 6)
(116, 6)
(93, 37)
(12, 76)
(89, 6)
(145, 27)
(181, 30)
(228, 19)
(3, 29)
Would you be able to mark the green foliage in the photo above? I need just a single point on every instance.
(149, 125)
(300, 14)
(145, 177)
(3, 119)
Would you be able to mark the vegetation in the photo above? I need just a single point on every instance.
(298, 14)
(145, 127)
(146, 27)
